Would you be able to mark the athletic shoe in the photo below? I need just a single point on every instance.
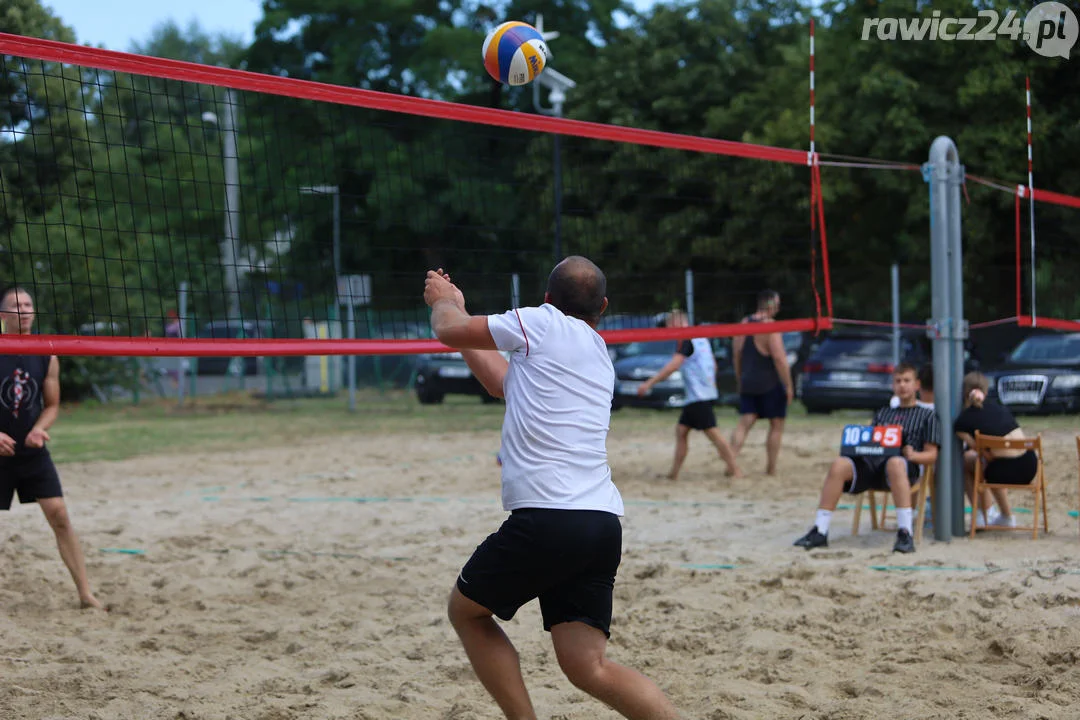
(998, 520)
(904, 542)
(813, 539)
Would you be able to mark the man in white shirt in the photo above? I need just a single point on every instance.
(698, 365)
(563, 540)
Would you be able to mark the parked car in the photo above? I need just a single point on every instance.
(1041, 375)
(853, 370)
(233, 330)
(442, 374)
(626, 322)
(639, 361)
(395, 370)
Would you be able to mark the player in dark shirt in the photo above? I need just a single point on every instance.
(1011, 467)
(29, 404)
(920, 440)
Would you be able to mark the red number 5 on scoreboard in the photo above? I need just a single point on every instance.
(891, 435)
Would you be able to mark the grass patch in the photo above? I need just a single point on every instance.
(237, 421)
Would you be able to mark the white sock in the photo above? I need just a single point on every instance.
(822, 521)
(903, 518)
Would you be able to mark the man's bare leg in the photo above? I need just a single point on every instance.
(896, 471)
(742, 429)
(70, 551)
(492, 655)
(580, 650)
(682, 447)
(726, 453)
(772, 444)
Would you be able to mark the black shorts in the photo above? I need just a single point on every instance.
(767, 405)
(567, 558)
(698, 415)
(32, 476)
(1012, 471)
(870, 474)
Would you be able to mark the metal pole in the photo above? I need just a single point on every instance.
(959, 335)
(690, 296)
(232, 207)
(942, 155)
(350, 331)
(337, 234)
(515, 291)
(558, 192)
(895, 314)
(181, 363)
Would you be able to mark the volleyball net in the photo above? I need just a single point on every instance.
(163, 208)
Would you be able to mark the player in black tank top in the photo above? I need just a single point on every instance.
(765, 386)
(29, 404)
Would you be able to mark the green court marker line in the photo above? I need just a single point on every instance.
(912, 568)
(210, 498)
(1073, 513)
(123, 551)
(709, 566)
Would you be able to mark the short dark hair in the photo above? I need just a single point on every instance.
(8, 289)
(905, 367)
(578, 287)
(926, 376)
(767, 296)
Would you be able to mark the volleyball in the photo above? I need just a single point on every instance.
(515, 53)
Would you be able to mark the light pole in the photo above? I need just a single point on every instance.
(557, 85)
(350, 323)
(229, 245)
(335, 191)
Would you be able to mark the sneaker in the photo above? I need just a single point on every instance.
(980, 520)
(998, 520)
(813, 539)
(904, 542)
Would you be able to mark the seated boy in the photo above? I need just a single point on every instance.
(920, 440)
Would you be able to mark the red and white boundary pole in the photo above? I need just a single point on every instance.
(810, 160)
(1031, 196)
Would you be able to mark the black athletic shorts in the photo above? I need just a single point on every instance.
(1012, 471)
(567, 558)
(32, 476)
(771, 405)
(698, 415)
(870, 474)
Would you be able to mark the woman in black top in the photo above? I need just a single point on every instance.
(1012, 467)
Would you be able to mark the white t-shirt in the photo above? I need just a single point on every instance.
(558, 410)
(895, 403)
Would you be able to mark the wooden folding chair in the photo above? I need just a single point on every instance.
(986, 443)
(922, 490)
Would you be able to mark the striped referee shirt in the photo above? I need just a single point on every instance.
(920, 425)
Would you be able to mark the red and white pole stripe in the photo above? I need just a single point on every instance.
(1031, 197)
(810, 159)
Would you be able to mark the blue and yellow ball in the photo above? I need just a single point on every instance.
(515, 53)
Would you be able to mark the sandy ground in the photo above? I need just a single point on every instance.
(310, 582)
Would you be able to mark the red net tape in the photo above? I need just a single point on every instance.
(52, 51)
(201, 347)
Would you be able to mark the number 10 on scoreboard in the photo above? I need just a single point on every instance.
(871, 440)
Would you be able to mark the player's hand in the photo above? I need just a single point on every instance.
(643, 389)
(36, 439)
(790, 394)
(437, 288)
(7, 445)
(908, 452)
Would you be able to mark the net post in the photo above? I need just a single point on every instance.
(959, 333)
(943, 172)
(515, 291)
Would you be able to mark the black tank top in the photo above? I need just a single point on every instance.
(22, 381)
(759, 374)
